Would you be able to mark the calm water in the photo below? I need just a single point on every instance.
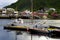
(4, 35)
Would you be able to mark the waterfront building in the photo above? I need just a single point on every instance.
(15, 13)
(3, 13)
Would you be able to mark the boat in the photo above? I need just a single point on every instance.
(41, 30)
(17, 22)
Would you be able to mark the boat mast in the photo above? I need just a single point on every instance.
(16, 10)
(32, 14)
(32, 10)
(16, 31)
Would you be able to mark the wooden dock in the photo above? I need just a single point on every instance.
(35, 31)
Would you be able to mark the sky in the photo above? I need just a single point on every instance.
(6, 2)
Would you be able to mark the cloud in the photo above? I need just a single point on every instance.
(6, 2)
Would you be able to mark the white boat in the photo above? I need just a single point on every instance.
(17, 22)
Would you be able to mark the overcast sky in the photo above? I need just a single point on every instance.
(6, 2)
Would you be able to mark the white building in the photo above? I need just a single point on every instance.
(10, 9)
(16, 13)
(28, 13)
(52, 9)
(3, 13)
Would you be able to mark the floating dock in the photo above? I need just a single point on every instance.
(34, 31)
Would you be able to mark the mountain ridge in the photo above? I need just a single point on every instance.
(37, 4)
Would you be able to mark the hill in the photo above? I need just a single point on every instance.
(37, 4)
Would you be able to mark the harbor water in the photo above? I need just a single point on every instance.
(5, 35)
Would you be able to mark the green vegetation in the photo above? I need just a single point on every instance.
(37, 4)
